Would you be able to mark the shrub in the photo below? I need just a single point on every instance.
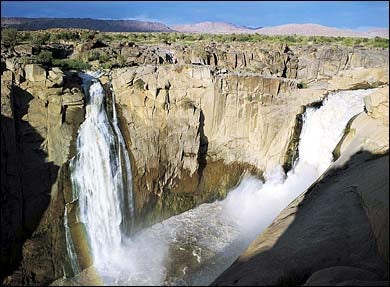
(40, 39)
(9, 37)
(45, 57)
(87, 35)
(121, 61)
(69, 64)
(92, 55)
(302, 85)
(103, 57)
(25, 36)
(107, 65)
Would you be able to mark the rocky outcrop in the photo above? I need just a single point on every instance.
(39, 125)
(342, 218)
(180, 120)
(308, 63)
(194, 117)
(314, 63)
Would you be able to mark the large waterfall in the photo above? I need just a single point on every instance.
(193, 248)
(101, 176)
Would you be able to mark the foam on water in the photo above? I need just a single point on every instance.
(193, 248)
(99, 174)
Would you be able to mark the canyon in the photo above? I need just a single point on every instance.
(195, 121)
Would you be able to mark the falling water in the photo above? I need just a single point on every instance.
(101, 175)
(70, 245)
(193, 248)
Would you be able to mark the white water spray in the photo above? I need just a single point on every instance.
(253, 209)
(101, 176)
(193, 248)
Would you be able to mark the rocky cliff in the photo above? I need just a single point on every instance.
(194, 119)
(187, 116)
(336, 233)
(40, 118)
(182, 120)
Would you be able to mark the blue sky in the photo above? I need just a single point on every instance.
(340, 14)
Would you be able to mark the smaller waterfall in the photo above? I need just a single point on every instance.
(127, 183)
(101, 176)
(69, 245)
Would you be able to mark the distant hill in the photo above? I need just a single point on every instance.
(319, 30)
(213, 28)
(381, 32)
(203, 27)
(84, 23)
(288, 29)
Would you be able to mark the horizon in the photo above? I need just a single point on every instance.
(362, 15)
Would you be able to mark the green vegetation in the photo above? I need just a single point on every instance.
(9, 37)
(45, 57)
(291, 40)
(302, 85)
(39, 39)
(70, 64)
(107, 59)
(121, 61)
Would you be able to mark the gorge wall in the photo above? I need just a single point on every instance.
(349, 237)
(185, 121)
(40, 118)
(194, 120)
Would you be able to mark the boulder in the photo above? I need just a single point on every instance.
(35, 73)
(55, 78)
(377, 105)
(12, 64)
(25, 49)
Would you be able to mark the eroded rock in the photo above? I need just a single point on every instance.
(35, 73)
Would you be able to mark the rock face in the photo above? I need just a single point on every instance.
(309, 63)
(182, 118)
(342, 219)
(35, 73)
(38, 128)
(194, 119)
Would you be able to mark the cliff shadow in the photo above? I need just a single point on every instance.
(26, 180)
(335, 223)
(203, 147)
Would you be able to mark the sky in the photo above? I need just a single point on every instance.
(340, 14)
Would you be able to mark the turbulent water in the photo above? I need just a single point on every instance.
(194, 247)
(101, 176)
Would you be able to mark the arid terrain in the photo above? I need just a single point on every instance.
(202, 27)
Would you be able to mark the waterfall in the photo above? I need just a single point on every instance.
(70, 245)
(194, 247)
(254, 209)
(101, 175)
(127, 184)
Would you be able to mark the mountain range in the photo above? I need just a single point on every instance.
(308, 29)
(84, 23)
